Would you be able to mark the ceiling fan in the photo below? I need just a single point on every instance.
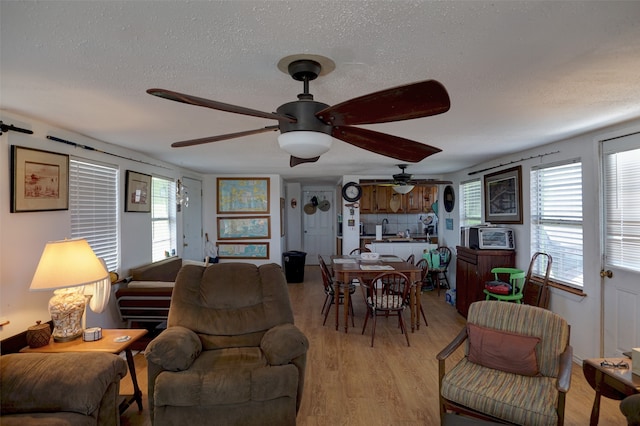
(403, 182)
(307, 126)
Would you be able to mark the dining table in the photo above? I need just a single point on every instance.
(347, 268)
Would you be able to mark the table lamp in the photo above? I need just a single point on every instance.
(67, 266)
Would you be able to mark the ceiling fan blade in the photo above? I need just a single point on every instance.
(415, 100)
(294, 161)
(194, 100)
(384, 144)
(218, 138)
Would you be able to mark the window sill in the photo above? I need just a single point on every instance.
(568, 289)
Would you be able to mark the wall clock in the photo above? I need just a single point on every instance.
(351, 192)
(449, 198)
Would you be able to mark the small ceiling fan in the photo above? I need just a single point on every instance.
(403, 182)
(307, 126)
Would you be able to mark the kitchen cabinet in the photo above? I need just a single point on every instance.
(382, 197)
(473, 270)
(367, 204)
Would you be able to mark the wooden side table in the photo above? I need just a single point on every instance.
(611, 382)
(109, 343)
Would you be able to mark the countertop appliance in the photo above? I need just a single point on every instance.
(488, 238)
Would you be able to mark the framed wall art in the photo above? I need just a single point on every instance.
(243, 195)
(503, 196)
(138, 193)
(39, 180)
(237, 250)
(236, 228)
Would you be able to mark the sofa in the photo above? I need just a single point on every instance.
(144, 299)
(60, 389)
(230, 354)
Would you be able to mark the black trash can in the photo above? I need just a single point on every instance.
(293, 263)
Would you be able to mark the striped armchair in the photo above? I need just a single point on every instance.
(516, 368)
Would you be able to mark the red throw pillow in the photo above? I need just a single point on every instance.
(502, 350)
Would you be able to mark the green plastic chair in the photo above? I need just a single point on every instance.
(516, 281)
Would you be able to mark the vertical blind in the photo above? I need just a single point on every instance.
(622, 205)
(556, 220)
(163, 218)
(470, 203)
(93, 206)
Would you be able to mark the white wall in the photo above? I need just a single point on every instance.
(23, 235)
(581, 312)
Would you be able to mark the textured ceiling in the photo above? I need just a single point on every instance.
(519, 74)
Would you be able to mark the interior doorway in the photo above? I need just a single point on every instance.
(318, 223)
(192, 241)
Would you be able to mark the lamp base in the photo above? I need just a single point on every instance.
(66, 308)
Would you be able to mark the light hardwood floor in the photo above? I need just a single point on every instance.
(350, 383)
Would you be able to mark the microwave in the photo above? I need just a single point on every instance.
(488, 238)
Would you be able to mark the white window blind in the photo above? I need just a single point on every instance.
(163, 218)
(556, 220)
(622, 182)
(93, 206)
(470, 203)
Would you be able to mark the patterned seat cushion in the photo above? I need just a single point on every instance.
(499, 394)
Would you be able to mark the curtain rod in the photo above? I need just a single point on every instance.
(90, 148)
(513, 162)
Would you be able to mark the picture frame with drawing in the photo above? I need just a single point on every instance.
(39, 180)
(503, 196)
(137, 193)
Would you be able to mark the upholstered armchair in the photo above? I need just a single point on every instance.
(230, 353)
(516, 367)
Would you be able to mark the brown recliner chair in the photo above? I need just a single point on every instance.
(75, 388)
(230, 353)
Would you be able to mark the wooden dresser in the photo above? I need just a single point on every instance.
(473, 269)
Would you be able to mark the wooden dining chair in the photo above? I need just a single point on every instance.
(411, 259)
(334, 293)
(386, 294)
(438, 274)
(359, 250)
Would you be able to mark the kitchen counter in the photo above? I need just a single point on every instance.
(401, 248)
(392, 238)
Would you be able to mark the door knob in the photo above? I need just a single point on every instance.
(608, 273)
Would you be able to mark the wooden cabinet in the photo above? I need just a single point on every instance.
(473, 269)
(367, 204)
(382, 197)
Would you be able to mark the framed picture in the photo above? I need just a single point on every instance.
(138, 193)
(503, 196)
(236, 228)
(243, 195)
(39, 180)
(243, 250)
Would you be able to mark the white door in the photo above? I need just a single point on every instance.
(319, 228)
(621, 292)
(192, 242)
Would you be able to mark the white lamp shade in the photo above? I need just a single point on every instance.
(403, 189)
(67, 263)
(303, 144)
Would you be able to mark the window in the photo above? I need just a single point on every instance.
(470, 203)
(163, 218)
(556, 219)
(93, 206)
(622, 182)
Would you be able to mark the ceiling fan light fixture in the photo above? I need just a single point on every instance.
(305, 144)
(403, 189)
